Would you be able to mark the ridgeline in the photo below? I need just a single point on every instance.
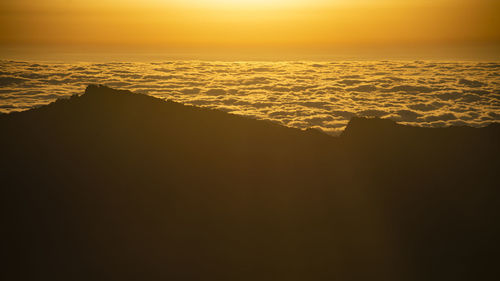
(112, 185)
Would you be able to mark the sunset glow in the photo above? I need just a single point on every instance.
(238, 25)
(248, 140)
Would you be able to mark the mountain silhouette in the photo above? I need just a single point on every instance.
(112, 185)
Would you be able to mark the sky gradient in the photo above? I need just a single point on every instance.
(241, 27)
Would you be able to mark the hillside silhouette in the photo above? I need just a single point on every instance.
(112, 185)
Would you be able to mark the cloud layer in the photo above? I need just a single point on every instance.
(298, 94)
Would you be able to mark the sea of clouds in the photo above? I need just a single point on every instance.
(322, 95)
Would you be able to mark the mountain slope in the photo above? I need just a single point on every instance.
(113, 185)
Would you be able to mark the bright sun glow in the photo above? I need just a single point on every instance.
(244, 3)
(276, 25)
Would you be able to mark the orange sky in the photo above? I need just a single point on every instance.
(279, 25)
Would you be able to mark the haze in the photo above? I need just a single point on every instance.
(466, 28)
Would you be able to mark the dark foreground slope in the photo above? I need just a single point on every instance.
(112, 185)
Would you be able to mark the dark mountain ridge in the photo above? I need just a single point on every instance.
(112, 185)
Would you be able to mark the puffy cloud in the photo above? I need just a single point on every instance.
(449, 95)
(215, 92)
(426, 106)
(350, 82)
(322, 95)
(7, 81)
(316, 104)
(373, 113)
(256, 81)
(407, 115)
(442, 117)
(468, 98)
(191, 91)
(363, 88)
(410, 89)
(347, 115)
(471, 83)
(494, 115)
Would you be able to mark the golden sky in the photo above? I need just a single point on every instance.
(246, 24)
